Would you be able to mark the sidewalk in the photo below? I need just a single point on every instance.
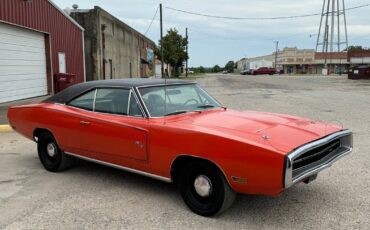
(4, 108)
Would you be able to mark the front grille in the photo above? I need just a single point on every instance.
(311, 158)
(316, 154)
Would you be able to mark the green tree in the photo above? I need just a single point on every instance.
(202, 69)
(174, 50)
(229, 67)
(216, 69)
(355, 48)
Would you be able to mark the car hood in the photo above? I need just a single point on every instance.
(281, 132)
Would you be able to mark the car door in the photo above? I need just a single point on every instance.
(116, 134)
(75, 117)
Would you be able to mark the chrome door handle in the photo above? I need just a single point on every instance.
(139, 144)
(84, 123)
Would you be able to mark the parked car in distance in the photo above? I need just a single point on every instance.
(264, 70)
(244, 72)
(176, 132)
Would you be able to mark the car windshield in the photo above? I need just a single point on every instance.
(179, 99)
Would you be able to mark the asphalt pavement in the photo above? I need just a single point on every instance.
(90, 196)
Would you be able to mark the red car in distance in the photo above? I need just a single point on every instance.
(264, 71)
(176, 132)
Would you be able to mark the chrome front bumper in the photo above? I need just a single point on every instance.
(346, 145)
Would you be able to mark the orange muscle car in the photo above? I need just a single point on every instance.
(175, 131)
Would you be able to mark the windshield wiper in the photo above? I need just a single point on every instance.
(177, 112)
(206, 106)
(183, 111)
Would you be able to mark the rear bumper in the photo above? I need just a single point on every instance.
(346, 145)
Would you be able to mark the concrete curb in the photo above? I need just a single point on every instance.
(5, 128)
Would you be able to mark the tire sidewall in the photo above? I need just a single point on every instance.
(49, 165)
(203, 206)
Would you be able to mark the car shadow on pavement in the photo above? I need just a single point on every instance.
(292, 205)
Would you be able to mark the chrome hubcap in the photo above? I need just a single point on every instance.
(51, 150)
(203, 186)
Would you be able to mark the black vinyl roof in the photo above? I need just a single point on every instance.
(75, 90)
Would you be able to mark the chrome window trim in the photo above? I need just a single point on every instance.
(143, 114)
(168, 84)
(141, 99)
(346, 138)
(129, 101)
(154, 176)
(204, 91)
(96, 92)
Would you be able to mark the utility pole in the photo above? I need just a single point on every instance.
(276, 53)
(187, 53)
(162, 58)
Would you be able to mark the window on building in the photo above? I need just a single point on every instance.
(62, 62)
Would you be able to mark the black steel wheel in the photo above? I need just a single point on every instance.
(204, 188)
(51, 156)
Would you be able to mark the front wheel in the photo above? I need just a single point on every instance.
(204, 189)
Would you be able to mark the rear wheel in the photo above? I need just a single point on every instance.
(51, 156)
(204, 188)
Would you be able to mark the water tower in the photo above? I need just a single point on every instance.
(332, 36)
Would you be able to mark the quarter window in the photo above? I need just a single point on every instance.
(109, 100)
(85, 101)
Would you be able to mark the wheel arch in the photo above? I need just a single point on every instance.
(183, 159)
(38, 131)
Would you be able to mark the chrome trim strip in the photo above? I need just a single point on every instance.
(289, 180)
(168, 84)
(165, 179)
(142, 103)
(139, 104)
(94, 102)
(129, 101)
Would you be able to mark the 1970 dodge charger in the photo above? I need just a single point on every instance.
(175, 131)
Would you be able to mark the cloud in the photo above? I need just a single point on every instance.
(215, 41)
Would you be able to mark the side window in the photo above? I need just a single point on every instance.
(86, 101)
(134, 109)
(114, 101)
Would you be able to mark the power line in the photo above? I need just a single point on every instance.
(151, 23)
(256, 18)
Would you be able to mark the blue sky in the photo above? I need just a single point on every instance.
(215, 41)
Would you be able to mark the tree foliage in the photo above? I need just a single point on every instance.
(216, 69)
(229, 67)
(355, 48)
(202, 69)
(174, 50)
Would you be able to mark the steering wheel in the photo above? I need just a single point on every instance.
(190, 100)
